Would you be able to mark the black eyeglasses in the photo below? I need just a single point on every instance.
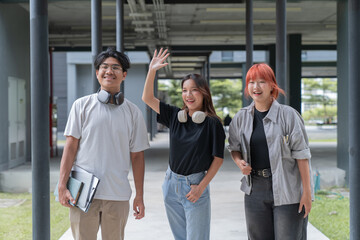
(115, 68)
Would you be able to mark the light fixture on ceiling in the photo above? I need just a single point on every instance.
(113, 17)
(142, 22)
(264, 21)
(144, 29)
(222, 21)
(108, 4)
(108, 17)
(187, 59)
(186, 64)
(183, 69)
(145, 14)
(256, 9)
(221, 37)
(225, 9)
(240, 21)
(330, 26)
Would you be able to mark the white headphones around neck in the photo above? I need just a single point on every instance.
(105, 97)
(197, 117)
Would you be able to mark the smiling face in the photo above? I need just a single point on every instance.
(110, 75)
(192, 96)
(260, 91)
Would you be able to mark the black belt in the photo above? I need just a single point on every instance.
(266, 172)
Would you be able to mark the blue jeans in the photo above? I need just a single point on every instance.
(188, 221)
(265, 221)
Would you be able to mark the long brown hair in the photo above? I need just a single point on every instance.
(263, 71)
(207, 104)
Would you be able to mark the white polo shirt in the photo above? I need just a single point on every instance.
(107, 133)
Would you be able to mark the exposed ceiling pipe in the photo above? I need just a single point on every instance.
(140, 18)
(160, 18)
(142, 5)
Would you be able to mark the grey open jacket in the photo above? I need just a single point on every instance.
(287, 141)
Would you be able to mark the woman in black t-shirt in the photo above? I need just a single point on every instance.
(197, 141)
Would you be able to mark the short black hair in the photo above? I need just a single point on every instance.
(111, 52)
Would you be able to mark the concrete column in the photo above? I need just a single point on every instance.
(207, 66)
(71, 92)
(343, 88)
(120, 31)
(281, 46)
(150, 119)
(149, 122)
(354, 117)
(271, 57)
(134, 83)
(203, 70)
(153, 113)
(96, 37)
(245, 100)
(249, 49)
(39, 57)
(294, 72)
(249, 34)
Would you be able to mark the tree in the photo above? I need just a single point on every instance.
(226, 94)
(172, 90)
(320, 91)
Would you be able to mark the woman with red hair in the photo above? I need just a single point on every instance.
(268, 142)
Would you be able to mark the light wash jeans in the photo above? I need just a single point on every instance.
(188, 221)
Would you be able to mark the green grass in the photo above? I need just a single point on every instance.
(16, 222)
(331, 215)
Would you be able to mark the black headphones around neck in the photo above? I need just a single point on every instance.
(105, 97)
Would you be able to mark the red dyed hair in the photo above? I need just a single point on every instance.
(263, 71)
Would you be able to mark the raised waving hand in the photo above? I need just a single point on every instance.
(157, 62)
(158, 59)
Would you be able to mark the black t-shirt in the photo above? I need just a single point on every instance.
(258, 146)
(192, 146)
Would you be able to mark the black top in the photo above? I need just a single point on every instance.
(258, 146)
(192, 146)
(227, 120)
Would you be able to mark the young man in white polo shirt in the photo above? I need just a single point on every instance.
(105, 135)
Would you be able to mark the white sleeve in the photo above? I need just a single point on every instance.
(73, 125)
(139, 137)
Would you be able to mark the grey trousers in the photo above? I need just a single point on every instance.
(265, 221)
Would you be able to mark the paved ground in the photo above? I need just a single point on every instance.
(228, 219)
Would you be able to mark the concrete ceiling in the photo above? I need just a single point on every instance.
(204, 24)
